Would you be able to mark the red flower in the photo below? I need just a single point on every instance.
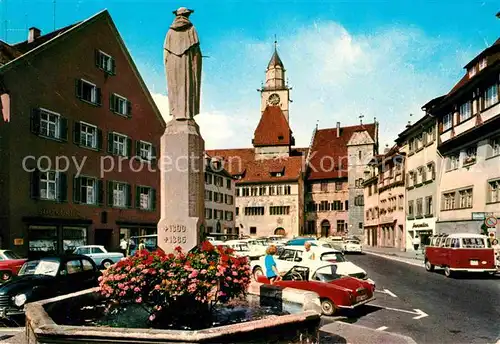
(178, 249)
(207, 246)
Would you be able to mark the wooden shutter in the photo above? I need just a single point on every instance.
(113, 66)
(110, 193)
(77, 189)
(110, 142)
(129, 147)
(62, 192)
(112, 100)
(35, 121)
(137, 197)
(97, 56)
(138, 148)
(128, 195)
(63, 128)
(76, 132)
(98, 95)
(129, 109)
(100, 192)
(78, 88)
(153, 199)
(99, 139)
(35, 184)
(153, 152)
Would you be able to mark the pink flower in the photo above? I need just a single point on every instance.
(152, 317)
(157, 287)
(204, 271)
(138, 300)
(162, 271)
(235, 273)
(193, 274)
(137, 289)
(170, 274)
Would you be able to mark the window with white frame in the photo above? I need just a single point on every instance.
(447, 121)
(495, 146)
(470, 155)
(88, 91)
(88, 191)
(105, 62)
(449, 200)
(49, 124)
(119, 144)
(88, 135)
(452, 162)
(119, 195)
(145, 197)
(465, 197)
(145, 150)
(465, 111)
(48, 185)
(491, 96)
(494, 191)
(119, 104)
(483, 63)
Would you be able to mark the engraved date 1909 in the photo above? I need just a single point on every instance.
(175, 240)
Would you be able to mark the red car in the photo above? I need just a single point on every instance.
(336, 292)
(10, 264)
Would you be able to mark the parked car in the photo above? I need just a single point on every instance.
(45, 278)
(289, 256)
(100, 255)
(460, 252)
(335, 291)
(352, 246)
(240, 248)
(302, 241)
(10, 264)
(337, 242)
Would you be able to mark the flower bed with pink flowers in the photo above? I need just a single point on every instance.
(180, 286)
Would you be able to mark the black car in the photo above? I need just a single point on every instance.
(45, 278)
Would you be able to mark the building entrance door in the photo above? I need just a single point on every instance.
(104, 237)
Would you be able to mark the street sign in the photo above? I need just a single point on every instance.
(478, 215)
(491, 221)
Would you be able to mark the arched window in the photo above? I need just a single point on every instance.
(325, 228)
(279, 231)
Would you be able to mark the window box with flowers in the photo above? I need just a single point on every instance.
(470, 156)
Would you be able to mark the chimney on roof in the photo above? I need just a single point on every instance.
(338, 129)
(33, 34)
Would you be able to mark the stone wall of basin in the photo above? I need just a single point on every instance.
(40, 328)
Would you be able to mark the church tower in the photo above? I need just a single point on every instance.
(275, 92)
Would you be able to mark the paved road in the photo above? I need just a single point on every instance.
(465, 310)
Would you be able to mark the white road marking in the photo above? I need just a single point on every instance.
(382, 328)
(397, 259)
(419, 314)
(386, 291)
(12, 329)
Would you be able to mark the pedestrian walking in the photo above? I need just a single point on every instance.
(308, 254)
(142, 245)
(416, 242)
(272, 273)
(123, 246)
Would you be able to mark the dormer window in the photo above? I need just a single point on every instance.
(280, 137)
(472, 71)
(483, 63)
(276, 174)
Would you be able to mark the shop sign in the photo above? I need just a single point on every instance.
(58, 213)
(19, 242)
(420, 225)
(478, 216)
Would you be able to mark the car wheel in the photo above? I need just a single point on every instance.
(106, 264)
(5, 276)
(257, 272)
(447, 271)
(328, 307)
(428, 266)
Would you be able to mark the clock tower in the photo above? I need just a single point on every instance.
(275, 91)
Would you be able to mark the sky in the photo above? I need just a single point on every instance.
(343, 59)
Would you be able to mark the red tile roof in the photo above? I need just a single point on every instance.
(273, 129)
(328, 155)
(242, 162)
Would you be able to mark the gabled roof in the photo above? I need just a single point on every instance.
(46, 41)
(8, 53)
(242, 162)
(273, 129)
(328, 149)
(275, 61)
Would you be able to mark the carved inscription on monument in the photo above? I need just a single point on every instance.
(176, 234)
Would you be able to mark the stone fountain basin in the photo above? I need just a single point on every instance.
(40, 328)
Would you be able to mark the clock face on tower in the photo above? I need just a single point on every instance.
(274, 99)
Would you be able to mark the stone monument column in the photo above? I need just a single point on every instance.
(181, 152)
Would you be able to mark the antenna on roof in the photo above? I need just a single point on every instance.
(317, 123)
(54, 15)
(275, 43)
(361, 119)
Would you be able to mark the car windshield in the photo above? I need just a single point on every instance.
(334, 257)
(40, 267)
(11, 255)
(240, 247)
(352, 242)
(326, 274)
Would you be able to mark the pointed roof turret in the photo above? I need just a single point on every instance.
(275, 59)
